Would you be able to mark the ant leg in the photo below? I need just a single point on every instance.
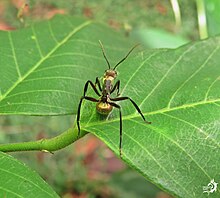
(120, 139)
(97, 82)
(116, 86)
(79, 108)
(93, 86)
(135, 105)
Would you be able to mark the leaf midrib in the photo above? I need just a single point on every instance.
(75, 30)
(160, 111)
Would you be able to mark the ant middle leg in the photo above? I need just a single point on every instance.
(97, 82)
(120, 116)
(92, 85)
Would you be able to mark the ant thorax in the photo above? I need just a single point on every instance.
(108, 79)
(107, 85)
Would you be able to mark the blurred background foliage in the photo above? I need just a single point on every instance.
(88, 168)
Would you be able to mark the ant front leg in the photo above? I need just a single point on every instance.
(92, 85)
(97, 82)
(79, 109)
(135, 105)
(120, 116)
(116, 86)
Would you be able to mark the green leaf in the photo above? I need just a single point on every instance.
(179, 92)
(43, 68)
(17, 180)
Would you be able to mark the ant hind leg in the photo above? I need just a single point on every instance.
(135, 105)
(120, 115)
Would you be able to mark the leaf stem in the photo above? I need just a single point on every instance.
(176, 11)
(48, 145)
(203, 32)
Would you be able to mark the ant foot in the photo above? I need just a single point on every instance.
(148, 122)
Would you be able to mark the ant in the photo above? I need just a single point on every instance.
(105, 103)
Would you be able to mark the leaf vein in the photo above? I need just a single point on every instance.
(194, 126)
(138, 68)
(75, 54)
(144, 149)
(166, 74)
(52, 33)
(203, 65)
(9, 191)
(42, 90)
(210, 87)
(27, 180)
(37, 42)
(37, 104)
(158, 131)
(53, 77)
(190, 105)
(61, 66)
(14, 54)
(156, 161)
(47, 56)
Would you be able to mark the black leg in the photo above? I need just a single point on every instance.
(120, 139)
(116, 86)
(135, 105)
(97, 82)
(79, 108)
(93, 86)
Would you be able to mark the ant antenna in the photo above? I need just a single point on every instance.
(125, 56)
(103, 51)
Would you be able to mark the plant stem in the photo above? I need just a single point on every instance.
(203, 32)
(176, 11)
(47, 145)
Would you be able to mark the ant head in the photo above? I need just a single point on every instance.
(110, 73)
